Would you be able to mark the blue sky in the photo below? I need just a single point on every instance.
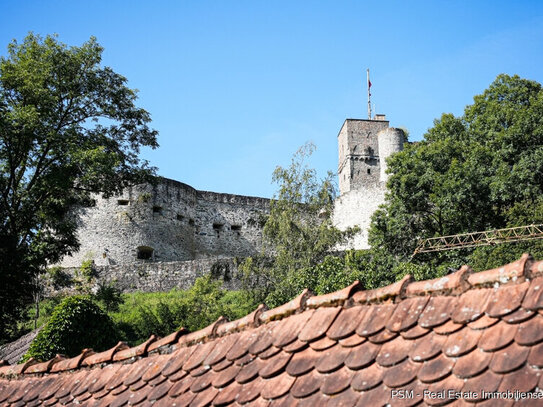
(235, 87)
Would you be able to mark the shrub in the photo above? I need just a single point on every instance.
(109, 296)
(76, 323)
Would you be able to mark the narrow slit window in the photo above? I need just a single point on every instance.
(369, 171)
(180, 217)
(235, 228)
(123, 202)
(157, 209)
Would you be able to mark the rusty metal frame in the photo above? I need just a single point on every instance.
(486, 238)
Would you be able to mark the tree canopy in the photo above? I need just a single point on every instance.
(68, 127)
(480, 171)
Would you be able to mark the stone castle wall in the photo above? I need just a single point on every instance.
(169, 221)
(164, 276)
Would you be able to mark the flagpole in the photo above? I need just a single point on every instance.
(369, 95)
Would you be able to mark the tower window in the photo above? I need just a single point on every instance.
(122, 202)
(145, 252)
(235, 227)
(157, 209)
(180, 217)
(217, 226)
(369, 171)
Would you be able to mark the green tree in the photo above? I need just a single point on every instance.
(76, 323)
(298, 232)
(480, 171)
(68, 127)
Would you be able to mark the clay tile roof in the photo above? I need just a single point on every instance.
(411, 343)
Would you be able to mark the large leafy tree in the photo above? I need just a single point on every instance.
(68, 127)
(480, 171)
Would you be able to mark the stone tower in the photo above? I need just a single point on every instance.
(363, 147)
(359, 165)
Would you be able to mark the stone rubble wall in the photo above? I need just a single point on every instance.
(164, 276)
(175, 221)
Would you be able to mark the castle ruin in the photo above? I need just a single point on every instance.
(168, 230)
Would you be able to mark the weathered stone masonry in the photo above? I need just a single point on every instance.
(170, 221)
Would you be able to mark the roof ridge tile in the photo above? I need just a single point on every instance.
(519, 269)
(138, 350)
(250, 320)
(72, 363)
(455, 283)
(394, 291)
(282, 311)
(335, 298)
(44, 367)
(167, 340)
(105, 356)
(536, 269)
(209, 332)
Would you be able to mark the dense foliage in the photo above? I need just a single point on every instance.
(68, 127)
(480, 171)
(163, 313)
(76, 323)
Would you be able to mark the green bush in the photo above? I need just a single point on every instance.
(109, 296)
(143, 314)
(76, 323)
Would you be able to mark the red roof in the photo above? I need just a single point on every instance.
(450, 341)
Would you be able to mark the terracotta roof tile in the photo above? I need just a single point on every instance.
(332, 359)
(375, 319)
(497, 336)
(464, 332)
(401, 374)
(506, 299)
(509, 272)
(509, 358)
(335, 298)
(105, 356)
(471, 305)
(325, 343)
(406, 314)
(472, 364)
(346, 322)
(461, 342)
(436, 369)
(350, 341)
(298, 345)
(437, 311)
(428, 347)
(362, 355)
(319, 323)
(394, 351)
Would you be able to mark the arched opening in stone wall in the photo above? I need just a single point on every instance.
(145, 252)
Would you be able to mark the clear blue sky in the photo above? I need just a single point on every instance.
(235, 87)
